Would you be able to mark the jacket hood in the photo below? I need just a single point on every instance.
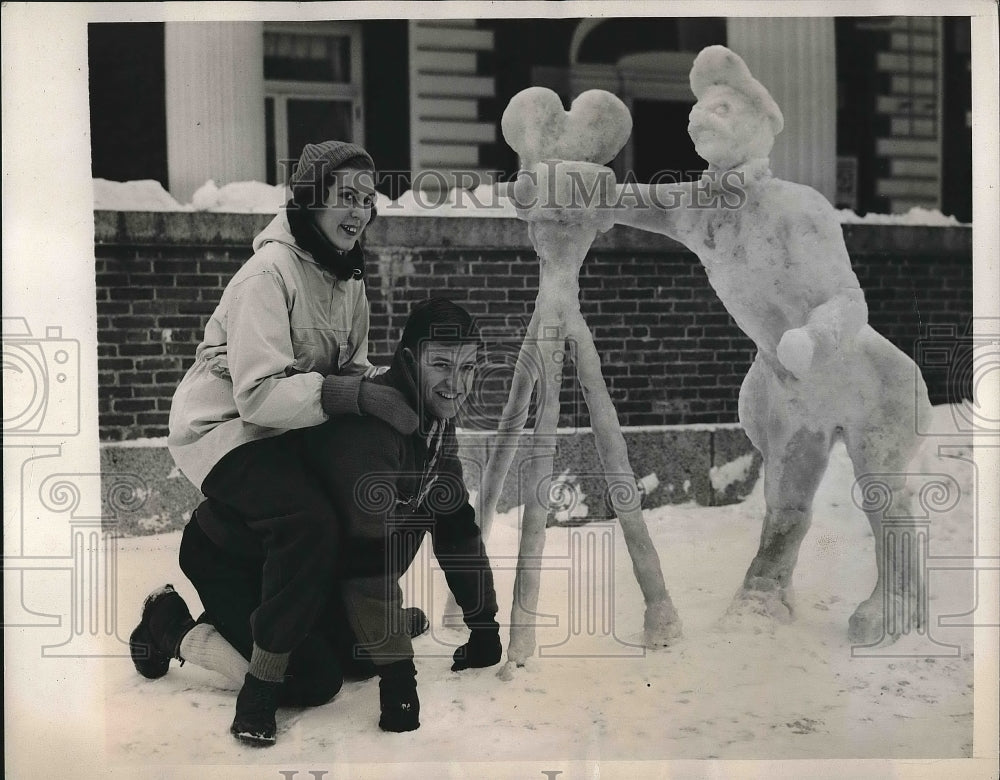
(279, 231)
(309, 245)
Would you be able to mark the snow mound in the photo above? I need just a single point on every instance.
(915, 216)
(245, 197)
(730, 473)
(142, 195)
(486, 200)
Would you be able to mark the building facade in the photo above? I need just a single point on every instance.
(877, 109)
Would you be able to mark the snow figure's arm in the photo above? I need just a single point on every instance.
(815, 245)
(658, 208)
(458, 544)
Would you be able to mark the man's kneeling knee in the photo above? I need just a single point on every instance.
(314, 675)
(313, 690)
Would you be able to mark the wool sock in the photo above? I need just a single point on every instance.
(268, 666)
(204, 646)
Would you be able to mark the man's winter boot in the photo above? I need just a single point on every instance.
(256, 705)
(165, 620)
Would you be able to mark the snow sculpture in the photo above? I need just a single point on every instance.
(561, 154)
(775, 255)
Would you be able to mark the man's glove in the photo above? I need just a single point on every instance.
(482, 649)
(352, 395)
(397, 692)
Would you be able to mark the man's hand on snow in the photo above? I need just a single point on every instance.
(795, 351)
(482, 649)
(400, 707)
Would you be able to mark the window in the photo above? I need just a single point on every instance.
(312, 89)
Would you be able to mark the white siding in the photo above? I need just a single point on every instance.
(796, 60)
(444, 90)
(214, 83)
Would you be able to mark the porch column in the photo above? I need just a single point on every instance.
(215, 104)
(795, 59)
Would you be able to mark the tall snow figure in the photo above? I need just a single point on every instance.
(562, 155)
(775, 255)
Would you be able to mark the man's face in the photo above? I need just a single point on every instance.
(726, 129)
(444, 376)
(348, 207)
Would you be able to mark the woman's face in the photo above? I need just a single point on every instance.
(348, 207)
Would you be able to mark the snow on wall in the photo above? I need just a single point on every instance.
(484, 201)
(730, 473)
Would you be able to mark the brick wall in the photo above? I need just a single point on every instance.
(671, 353)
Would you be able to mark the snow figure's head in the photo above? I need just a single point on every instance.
(735, 118)
(594, 129)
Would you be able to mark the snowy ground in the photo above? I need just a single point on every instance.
(792, 693)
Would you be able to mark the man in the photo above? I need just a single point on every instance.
(388, 490)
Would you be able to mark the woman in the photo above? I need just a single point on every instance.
(284, 351)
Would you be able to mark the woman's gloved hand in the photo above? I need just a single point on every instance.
(353, 395)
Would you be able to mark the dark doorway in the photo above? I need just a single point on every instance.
(662, 149)
(858, 43)
(956, 125)
(128, 110)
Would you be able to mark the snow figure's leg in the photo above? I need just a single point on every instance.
(792, 474)
(535, 493)
(661, 622)
(881, 446)
(561, 250)
(504, 447)
(795, 459)
(870, 622)
(515, 415)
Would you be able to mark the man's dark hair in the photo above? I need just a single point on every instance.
(438, 319)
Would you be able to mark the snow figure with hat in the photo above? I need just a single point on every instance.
(774, 253)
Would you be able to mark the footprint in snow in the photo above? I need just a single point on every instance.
(804, 726)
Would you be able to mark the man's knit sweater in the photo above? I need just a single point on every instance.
(392, 490)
